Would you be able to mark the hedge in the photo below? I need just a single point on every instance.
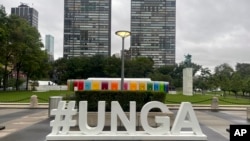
(123, 97)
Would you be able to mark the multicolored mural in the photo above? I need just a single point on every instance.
(133, 84)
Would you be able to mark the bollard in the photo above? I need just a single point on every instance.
(215, 104)
(33, 101)
(248, 113)
(53, 103)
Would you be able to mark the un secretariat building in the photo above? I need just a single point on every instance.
(153, 30)
(87, 29)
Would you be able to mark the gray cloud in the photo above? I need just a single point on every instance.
(212, 31)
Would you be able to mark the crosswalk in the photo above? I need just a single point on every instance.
(20, 123)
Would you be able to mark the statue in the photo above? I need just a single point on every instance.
(187, 62)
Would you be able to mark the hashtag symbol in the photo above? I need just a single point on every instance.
(63, 118)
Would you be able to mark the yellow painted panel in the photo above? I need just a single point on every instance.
(142, 86)
(95, 85)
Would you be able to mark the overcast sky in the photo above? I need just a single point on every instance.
(212, 31)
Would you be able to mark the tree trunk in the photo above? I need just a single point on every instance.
(5, 73)
(5, 77)
(17, 75)
(17, 79)
(27, 82)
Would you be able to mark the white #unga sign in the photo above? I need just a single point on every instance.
(185, 119)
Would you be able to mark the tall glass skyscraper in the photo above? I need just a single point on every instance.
(49, 46)
(153, 25)
(26, 12)
(87, 27)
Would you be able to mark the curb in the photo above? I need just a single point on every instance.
(23, 106)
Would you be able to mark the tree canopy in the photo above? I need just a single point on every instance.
(20, 46)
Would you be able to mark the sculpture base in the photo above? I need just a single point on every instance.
(124, 136)
(188, 81)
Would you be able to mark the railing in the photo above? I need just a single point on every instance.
(209, 101)
(43, 100)
(15, 101)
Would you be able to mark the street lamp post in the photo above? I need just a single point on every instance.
(122, 34)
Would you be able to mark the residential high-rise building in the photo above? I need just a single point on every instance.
(26, 12)
(153, 30)
(49, 46)
(87, 27)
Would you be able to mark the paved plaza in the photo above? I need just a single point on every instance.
(33, 124)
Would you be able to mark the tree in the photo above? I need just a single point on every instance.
(96, 65)
(112, 67)
(25, 41)
(3, 38)
(157, 76)
(36, 65)
(245, 85)
(5, 45)
(164, 73)
(78, 67)
(167, 70)
(222, 75)
(177, 74)
(202, 81)
(20, 46)
(138, 67)
(243, 69)
(59, 71)
(236, 83)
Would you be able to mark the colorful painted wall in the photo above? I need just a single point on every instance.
(114, 84)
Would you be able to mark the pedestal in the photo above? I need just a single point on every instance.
(53, 103)
(215, 104)
(248, 113)
(188, 81)
(33, 101)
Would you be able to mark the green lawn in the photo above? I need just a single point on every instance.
(206, 99)
(24, 96)
(43, 97)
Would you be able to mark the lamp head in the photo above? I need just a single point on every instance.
(123, 33)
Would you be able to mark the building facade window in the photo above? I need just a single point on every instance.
(28, 13)
(87, 27)
(153, 30)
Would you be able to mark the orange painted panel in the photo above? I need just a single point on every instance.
(133, 86)
(114, 85)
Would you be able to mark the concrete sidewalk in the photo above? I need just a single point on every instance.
(16, 120)
(33, 124)
(25, 124)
